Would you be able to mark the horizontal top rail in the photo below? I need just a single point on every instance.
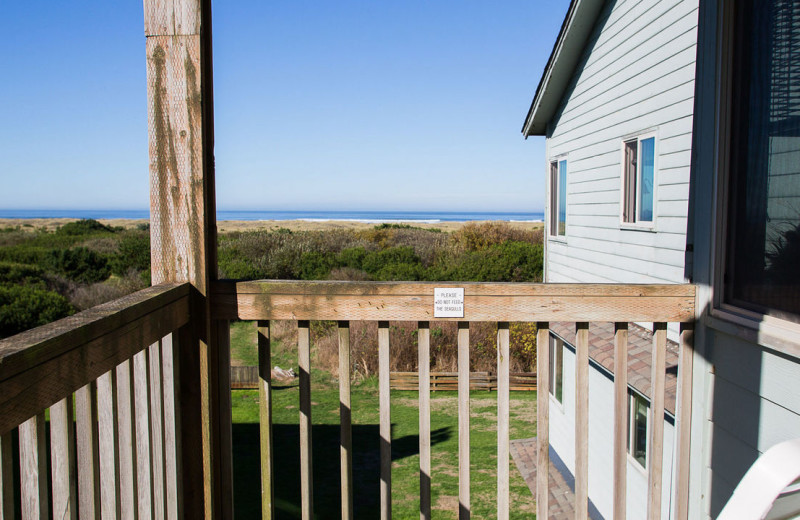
(43, 365)
(413, 301)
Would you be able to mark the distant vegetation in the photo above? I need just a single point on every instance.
(48, 275)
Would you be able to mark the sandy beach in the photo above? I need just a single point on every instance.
(227, 226)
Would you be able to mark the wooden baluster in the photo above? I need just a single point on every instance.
(87, 448)
(62, 460)
(306, 474)
(463, 421)
(7, 511)
(157, 431)
(107, 439)
(265, 419)
(141, 398)
(424, 371)
(582, 421)
(503, 409)
(33, 468)
(224, 417)
(172, 436)
(127, 439)
(656, 452)
(684, 406)
(346, 436)
(384, 373)
(620, 419)
(542, 419)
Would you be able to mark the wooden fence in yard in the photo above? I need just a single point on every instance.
(246, 377)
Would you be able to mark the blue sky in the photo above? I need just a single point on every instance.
(318, 105)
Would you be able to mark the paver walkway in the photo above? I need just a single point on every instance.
(562, 485)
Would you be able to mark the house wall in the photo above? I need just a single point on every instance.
(636, 75)
(601, 448)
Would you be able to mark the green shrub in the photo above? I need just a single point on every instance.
(78, 264)
(507, 262)
(316, 265)
(84, 227)
(377, 260)
(134, 253)
(22, 308)
(21, 274)
(352, 257)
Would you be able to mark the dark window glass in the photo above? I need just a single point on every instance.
(637, 428)
(763, 252)
(556, 368)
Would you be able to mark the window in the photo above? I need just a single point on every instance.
(637, 428)
(556, 368)
(638, 180)
(558, 198)
(762, 255)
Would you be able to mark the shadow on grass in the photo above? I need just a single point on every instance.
(325, 457)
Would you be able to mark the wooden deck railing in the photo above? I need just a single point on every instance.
(542, 303)
(107, 376)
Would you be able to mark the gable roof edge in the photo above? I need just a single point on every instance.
(575, 30)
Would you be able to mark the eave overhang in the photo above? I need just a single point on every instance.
(575, 31)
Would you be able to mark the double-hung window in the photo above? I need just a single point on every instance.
(637, 427)
(762, 246)
(556, 368)
(638, 180)
(558, 198)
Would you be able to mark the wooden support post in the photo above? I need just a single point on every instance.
(542, 419)
(346, 432)
(620, 419)
(7, 479)
(582, 421)
(655, 454)
(384, 360)
(424, 369)
(62, 459)
(107, 438)
(33, 468)
(306, 464)
(502, 420)
(87, 448)
(265, 420)
(183, 238)
(464, 509)
(683, 444)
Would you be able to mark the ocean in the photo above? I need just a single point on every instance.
(377, 217)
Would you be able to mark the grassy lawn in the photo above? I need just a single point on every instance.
(405, 444)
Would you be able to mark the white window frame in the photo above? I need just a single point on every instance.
(633, 396)
(637, 223)
(554, 197)
(771, 331)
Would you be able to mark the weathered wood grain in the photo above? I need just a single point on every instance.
(424, 367)
(172, 17)
(220, 389)
(684, 416)
(265, 420)
(127, 438)
(141, 414)
(88, 451)
(542, 419)
(407, 301)
(384, 399)
(108, 454)
(35, 387)
(582, 421)
(620, 419)
(503, 408)
(33, 468)
(157, 431)
(345, 426)
(655, 454)
(172, 427)
(306, 465)
(62, 460)
(7, 511)
(464, 508)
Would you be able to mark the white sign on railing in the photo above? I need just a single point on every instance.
(448, 302)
